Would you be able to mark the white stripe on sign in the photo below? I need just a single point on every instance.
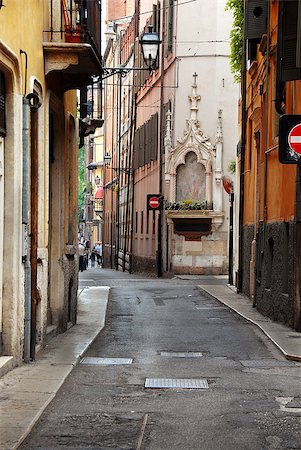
(295, 139)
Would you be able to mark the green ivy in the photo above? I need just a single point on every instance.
(236, 37)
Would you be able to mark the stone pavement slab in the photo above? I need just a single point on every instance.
(286, 339)
(26, 390)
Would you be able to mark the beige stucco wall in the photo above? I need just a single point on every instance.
(21, 28)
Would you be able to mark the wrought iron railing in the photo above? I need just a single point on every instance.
(75, 21)
(189, 205)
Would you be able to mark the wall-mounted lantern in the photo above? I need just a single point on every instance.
(150, 47)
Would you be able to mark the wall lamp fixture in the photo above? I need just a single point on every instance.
(150, 48)
(107, 161)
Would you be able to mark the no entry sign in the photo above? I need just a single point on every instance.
(290, 139)
(154, 202)
(294, 139)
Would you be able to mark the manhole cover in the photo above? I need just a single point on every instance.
(105, 361)
(182, 354)
(176, 383)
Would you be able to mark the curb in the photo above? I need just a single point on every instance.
(288, 356)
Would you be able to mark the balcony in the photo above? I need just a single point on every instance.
(72, 43)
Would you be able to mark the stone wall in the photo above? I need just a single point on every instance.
(207, 256)
(274, 269)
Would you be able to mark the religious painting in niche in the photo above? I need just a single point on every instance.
(191, 180)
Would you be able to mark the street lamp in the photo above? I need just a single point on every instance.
(97, 180)
(150, 47)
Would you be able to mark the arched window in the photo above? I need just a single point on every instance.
(2, 104)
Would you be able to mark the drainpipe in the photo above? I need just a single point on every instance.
(25, 234)
(242, 167)
(161, 148)
(265, 162)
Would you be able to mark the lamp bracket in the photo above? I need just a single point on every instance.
(121, 71)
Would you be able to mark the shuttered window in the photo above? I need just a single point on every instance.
(256, 19)
(146, 142)
(169, 24)
(2, 105)
(289, 36)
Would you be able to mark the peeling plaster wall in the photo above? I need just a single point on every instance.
(191, 180)
(208, 256)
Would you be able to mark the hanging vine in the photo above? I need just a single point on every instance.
(236, 36)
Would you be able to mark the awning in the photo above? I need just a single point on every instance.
(99, 193)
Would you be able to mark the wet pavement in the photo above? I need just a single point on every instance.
(135, 386)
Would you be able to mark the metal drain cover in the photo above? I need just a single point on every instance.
(105, 361)
(176, 383)
(182, 354)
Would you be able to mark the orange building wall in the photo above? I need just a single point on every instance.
(280, 178)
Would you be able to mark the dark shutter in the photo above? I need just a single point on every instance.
(136, 148)
(256, 18)
(170, 20)
(287, 40)
(147, 141)
(298, 46)
(2, 105)
(154, 151)
(151, 138)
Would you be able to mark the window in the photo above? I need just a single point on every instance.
(2, 105)
(192, 229)
(256, 25)
(169, 25)
(146, 142)
(289, 41)
(147, 222)
(141, 224)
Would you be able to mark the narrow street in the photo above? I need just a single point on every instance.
(248, 395)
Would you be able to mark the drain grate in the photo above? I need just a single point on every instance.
(105, 361)
(176, 383)
(182, 354)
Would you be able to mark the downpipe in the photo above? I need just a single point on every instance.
(25, 233)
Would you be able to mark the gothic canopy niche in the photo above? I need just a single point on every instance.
(195, 161)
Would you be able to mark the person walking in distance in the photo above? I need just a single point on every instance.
(81, 254)
(93, 256)
(98, 249)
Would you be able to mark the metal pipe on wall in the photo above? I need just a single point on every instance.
(25, 221)
(161, 145)
(242, 166)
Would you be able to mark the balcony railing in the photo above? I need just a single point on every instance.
(75, 21)
(72, 43)
(189, 205)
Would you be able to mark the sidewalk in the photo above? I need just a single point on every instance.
(286, 339)
(27, 390)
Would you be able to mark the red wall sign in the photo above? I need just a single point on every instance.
(294, 139)
(154, 202)
(290, 139)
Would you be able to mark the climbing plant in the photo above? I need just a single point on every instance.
(236, 36)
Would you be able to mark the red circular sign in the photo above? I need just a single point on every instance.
(294, 139)
(154, 202)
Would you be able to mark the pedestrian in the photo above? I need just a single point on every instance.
(81, 254)
(93, 256)
(98, 249)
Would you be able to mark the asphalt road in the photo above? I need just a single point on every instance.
(250, 396)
